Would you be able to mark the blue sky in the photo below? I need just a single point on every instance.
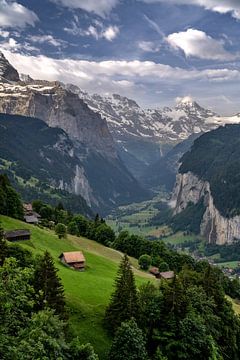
(151, 50)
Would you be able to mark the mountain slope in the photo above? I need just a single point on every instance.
(92, 142)
(41, 162)
(87, 293)
(163, 172)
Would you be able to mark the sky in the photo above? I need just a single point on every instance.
(154, 51)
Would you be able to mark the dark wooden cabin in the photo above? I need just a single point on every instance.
(74, 259)
(17, 235)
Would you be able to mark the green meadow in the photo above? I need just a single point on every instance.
(87, 293)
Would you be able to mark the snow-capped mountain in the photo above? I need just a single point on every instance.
(126, 119)
(143, 136)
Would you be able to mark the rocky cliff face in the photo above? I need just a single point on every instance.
(60, 108)
(214, 227)
(7, 71)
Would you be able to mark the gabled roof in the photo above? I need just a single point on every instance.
(154, 271)
(167, 274)
(31, 219)
(73, 256)
(15, 233)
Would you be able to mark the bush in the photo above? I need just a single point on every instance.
(61, 230)
(144, 261)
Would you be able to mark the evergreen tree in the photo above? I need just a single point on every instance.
(47, 285)
(124, 301)
(128, 343)
(3, 247)
(10, 202)
(81, 351)
(43, 338)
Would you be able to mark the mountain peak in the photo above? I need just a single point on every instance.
(7, 71)
(186, 102)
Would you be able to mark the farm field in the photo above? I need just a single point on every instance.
(87, 293)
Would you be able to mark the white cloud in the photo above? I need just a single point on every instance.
(75, 71)
(12, 45)
(46, 39)
(97, 30)
(110, 33)
(99, 7)
(220, 6)
(148, 46)
(14, 15)
(198, 44)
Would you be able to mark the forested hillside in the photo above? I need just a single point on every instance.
(215, 157)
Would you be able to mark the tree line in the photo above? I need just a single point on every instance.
(186, 318)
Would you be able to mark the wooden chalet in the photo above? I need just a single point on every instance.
(154, 271)
(166, 275)
(17, 235)
(73, 259)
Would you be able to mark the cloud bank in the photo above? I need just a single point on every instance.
(219, 6)
(14, 15)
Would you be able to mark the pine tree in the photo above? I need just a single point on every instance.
(48, 286)
(3, 247)
(124, 301)
(128, 343)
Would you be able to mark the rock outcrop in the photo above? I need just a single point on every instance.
(214, 227)
(7, 71)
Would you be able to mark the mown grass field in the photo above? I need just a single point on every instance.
(230, 264)
(87, 293)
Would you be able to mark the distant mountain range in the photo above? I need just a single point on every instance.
(145, 136)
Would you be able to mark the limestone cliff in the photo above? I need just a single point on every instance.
(214, 227)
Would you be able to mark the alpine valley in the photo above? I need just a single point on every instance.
(96, 153)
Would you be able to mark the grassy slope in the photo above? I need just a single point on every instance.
(87, 293)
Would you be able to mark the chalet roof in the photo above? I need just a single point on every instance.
(154, 271)
(17, 232)
(167, 274)
(73, 256)
(31, 219)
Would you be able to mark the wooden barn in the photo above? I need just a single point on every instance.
(17, 235)
(74, 259)
(154, 271)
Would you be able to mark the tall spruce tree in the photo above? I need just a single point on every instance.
(3, 247)
(124, 301)
(48, 287)
(129, 343)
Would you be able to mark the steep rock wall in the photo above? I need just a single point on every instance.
(214, 227)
